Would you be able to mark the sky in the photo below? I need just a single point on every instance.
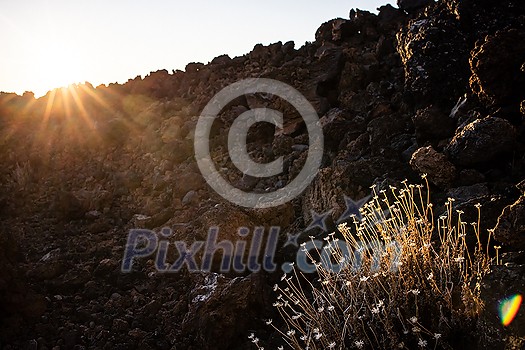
(45, 44)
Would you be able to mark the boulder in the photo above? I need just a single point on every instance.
(503, 281)
(498, 84)
(413, 5)
(482, 141)
(221, 60)
(424, 45)
(432, 124)
(510, 229)
(221, 310)
(440, 171)
(171, 130)
(350, 178)
(194, 67)
(336, 124)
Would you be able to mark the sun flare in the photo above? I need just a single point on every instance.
(57, 67)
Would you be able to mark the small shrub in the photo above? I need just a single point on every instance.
(408, 280)
(22, 176)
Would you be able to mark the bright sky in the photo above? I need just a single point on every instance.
(52, 43)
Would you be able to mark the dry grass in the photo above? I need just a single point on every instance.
(22, 176)
(408, 280)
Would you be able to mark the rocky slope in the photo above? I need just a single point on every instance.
(435, 88)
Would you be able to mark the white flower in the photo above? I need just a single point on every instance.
(375, 310)
(414, 291)
(416, 329)
(413, 319)
(459, 259)
(359, 344)
(269, 322)
(318, 336)
(364, 278)
(251, 336)
(275, 287)
(320, 309)
(255, 340)
(430, 276)
(331, 308)
(291, 333)
(280, 348)
(331, 345)
(422, 343)
(437, 336)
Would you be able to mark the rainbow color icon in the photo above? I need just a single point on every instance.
(508, 308)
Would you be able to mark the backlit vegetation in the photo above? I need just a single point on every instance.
(409, 279)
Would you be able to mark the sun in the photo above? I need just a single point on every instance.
(57, 66)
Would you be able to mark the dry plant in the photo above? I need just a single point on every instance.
(22, 176)
(406, 280)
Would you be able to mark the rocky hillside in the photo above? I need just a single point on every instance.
(432, 87)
